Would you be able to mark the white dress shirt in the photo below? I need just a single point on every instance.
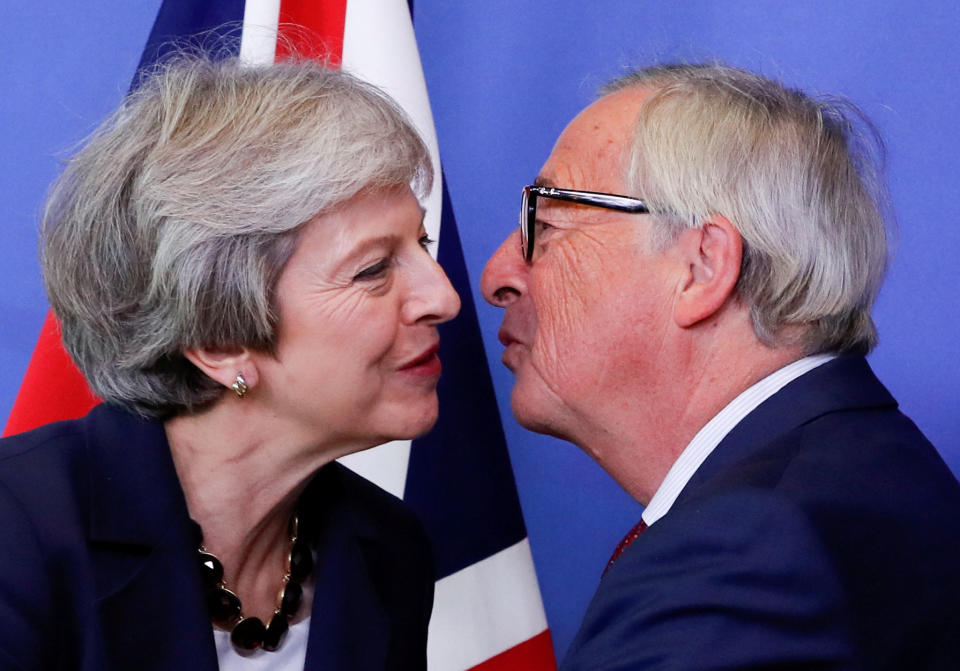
(717, 428)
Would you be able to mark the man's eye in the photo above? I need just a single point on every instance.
(425, 241)
(376, 271)
(543, 232)
(542, 226)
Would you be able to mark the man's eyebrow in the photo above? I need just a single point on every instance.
(543, 181)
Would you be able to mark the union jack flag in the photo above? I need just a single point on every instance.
(488, 614)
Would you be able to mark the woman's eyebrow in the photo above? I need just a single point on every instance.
(380, 241)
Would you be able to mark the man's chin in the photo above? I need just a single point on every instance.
(536, 415)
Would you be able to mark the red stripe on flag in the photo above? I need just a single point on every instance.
(535, 654)
(311, 29)
(52, 388)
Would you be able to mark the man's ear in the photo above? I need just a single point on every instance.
(712, 254)
(224, 364)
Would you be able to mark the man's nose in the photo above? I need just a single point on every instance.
(504, 277)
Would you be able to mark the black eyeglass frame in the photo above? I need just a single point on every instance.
(528, 208)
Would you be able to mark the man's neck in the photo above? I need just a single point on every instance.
(637, 445)
(716, 429)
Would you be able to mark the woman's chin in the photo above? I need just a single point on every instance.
(414, 425)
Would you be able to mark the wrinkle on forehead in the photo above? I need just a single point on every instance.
(590, 154)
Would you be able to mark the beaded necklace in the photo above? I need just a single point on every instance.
(226, 610)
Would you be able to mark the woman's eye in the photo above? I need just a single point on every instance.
(376, 271)
(425, 241)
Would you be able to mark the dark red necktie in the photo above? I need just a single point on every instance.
(631, 536)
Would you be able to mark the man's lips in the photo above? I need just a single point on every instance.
(510, 352)
(506, 338)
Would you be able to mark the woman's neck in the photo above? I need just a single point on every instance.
(241, 483)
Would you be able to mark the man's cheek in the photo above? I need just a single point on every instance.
(562, 305)
(563, 324)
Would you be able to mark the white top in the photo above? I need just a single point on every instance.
(290, 656)
(716, 430)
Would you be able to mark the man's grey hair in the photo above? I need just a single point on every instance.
(169, 229)
(800, 178)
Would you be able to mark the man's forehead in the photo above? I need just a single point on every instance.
(590, 152)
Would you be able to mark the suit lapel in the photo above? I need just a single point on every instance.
(349, 624)
(845, 383)
(149, 594)
(150, 597)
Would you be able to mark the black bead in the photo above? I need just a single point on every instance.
(224, 607)
(275, 632)
(290, 601)
(248, 634)
(301, 562)
(212, 570)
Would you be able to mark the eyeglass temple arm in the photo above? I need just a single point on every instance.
(609, 200)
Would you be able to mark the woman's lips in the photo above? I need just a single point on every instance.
(427, 364)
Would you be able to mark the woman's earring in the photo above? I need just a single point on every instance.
(239, 386)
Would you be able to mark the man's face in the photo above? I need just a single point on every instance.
(583, 322)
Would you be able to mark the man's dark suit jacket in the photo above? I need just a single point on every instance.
(98, 566)
(822, 533)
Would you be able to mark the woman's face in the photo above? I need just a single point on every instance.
(359, 302)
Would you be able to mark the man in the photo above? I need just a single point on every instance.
(701, 333)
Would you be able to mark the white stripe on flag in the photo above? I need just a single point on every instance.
(485, 609)
(384, 465)
(380, 48)
(258, 41)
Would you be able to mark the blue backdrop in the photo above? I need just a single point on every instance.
(505, 77)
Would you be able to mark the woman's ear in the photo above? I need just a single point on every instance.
(224, 365)
(712, 254)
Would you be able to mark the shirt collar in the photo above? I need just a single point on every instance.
(707, 438)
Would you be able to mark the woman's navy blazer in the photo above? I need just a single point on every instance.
(98, 566)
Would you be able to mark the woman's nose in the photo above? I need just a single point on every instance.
(434, 300)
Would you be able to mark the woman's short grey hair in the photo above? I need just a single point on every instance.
(800, 178)
(169, 229)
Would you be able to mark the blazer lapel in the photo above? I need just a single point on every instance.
(349, 629)
(149, 592)
(844, 383)
(349, 625)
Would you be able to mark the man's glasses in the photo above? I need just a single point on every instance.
(528, 208)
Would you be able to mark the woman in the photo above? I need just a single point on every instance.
(237, 259)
